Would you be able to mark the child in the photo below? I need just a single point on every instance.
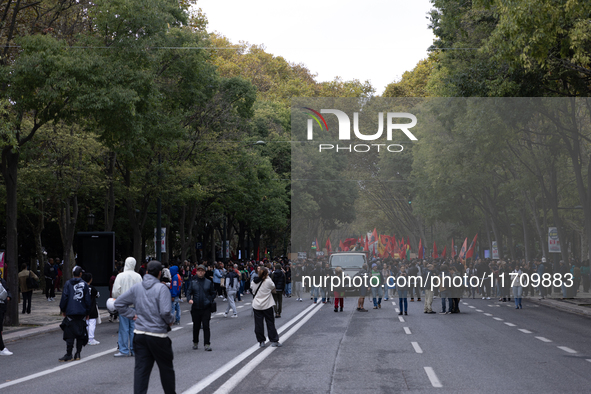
(93, 316)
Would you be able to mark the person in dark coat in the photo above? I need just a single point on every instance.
(278, 278)
(201, 296)
(75, 307)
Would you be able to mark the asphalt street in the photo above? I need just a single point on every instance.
(490, 347)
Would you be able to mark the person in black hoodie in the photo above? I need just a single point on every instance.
(75, 307)
(201, 296)
(4, 351)
(278, 277)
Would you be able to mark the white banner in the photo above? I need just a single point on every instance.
(162, 240)
(553, 241)
(495, 250)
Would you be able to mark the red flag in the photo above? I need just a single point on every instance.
(470, 252)
(350, 242)
(453, 250)
(444, 253)
(435, 255)
(374, 237)
(328, 246)
(420, 248)
(462, 254)
(341, 246)
(366, 246)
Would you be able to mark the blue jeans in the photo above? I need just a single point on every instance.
(288, 289)
(443, 296)
(186, 287)
(377, 292)
(125, 340)
(317, 291)
(403, 302)
(176, 308)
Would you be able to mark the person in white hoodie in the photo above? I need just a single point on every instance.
(123, 282)
(262, 305)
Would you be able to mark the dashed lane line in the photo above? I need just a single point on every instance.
(417, 348)
(543, 339)
(510, 324)
(523, 330)
(470, 306)
(567, 349)
(401, 319)
(176, 328)
(488, 314)
(432, 377)
(407, 330)
(478, 310)
(498, 318)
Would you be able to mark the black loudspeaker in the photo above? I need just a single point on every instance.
(96, 254)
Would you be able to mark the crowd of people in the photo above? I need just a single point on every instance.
(146, 299)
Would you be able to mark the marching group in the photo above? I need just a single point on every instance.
(147, 302)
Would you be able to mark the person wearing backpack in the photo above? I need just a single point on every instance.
(278, 277)
(26, 291)
(176, 284)
(5, 296)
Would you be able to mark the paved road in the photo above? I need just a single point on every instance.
(489, 347)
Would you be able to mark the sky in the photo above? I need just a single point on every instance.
(375, 40)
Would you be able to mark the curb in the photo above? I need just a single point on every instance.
(563, 306)
(20, 334)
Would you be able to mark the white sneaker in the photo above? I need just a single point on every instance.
(224, 299)
(483, 298)
(234, 315)
(488, 298)
(225, 314)
(5, 352)
(93, 342)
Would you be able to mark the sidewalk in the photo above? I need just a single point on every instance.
(581, 305)
(44, 317)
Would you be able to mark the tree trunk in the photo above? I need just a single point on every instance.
(67, 224)
(9, 166)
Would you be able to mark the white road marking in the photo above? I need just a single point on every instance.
(247, 303)
(397, 310)
(186, 311)
(236, 379)
(52, 370)
(470, 306)
(478, 310)
(498, 318)
(190, 324)
(488, 314)
(220, 313)
(202, 384)
(510, 324)
(523, 330)
(241, 306)
(465, 303)
(589, 359)
(394, 303)
(567, 349)
(417, 347)
(543, 339)
(407, 330)
(176, 328)
(401, 319)
(432, 377)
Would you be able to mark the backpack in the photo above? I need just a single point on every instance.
(3, 293)
(32, 283)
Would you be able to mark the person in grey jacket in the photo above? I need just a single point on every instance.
(153, 318)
